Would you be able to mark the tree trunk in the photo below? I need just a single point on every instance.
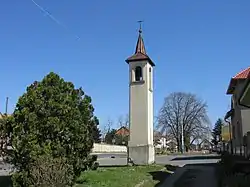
(187, 143)
(178, 145)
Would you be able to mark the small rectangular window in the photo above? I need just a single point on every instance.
(150, 78)
(138, 73)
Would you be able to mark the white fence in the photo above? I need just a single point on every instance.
(106, 148)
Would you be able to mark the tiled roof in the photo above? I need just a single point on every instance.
(244, 74)
(123, 131)
(138, 57)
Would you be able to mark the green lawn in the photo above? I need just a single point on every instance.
(123, 176)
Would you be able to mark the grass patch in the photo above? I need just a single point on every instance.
(123, 176)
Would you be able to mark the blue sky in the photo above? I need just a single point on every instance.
(197, 45)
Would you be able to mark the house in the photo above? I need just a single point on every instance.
(205, 145)
(244, 98)
(239, 113)
(159, 140)
(123, 131)
(167, 142)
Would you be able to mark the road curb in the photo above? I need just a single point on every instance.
(115, 153)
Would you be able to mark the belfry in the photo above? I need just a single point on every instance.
(141, 146)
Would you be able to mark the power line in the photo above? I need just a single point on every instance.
(52, 17)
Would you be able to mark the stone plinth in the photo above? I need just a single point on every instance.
(142, 154)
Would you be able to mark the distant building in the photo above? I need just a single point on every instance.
(205, 144)
(3, 115)
(123, 131)
(159, 140)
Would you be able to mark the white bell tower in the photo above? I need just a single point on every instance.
(141, 146)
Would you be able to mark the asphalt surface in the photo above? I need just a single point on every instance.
(120, 159)
(177, 160)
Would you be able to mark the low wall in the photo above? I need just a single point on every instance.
(106, 148)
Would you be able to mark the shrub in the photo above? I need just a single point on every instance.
(52, 118)
(91, 162)
(47, 171)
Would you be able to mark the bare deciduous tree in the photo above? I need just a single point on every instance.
(123, 121)
(183, 110)
(106, 128)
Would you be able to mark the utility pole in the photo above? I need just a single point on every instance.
(6, 105)
(182, 139)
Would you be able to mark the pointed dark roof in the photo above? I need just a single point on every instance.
(140, 51)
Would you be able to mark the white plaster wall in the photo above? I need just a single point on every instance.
(138, 107)
(245, 116)
(237, 117)
(106, 148)
(161, 143)
(141, 107)
(150, 103)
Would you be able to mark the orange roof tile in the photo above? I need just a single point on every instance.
(244, 74)
(122, 131)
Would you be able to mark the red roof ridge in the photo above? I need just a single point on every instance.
(242, 74)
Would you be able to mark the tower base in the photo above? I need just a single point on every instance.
(142, 154)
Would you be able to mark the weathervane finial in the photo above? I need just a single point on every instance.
(140, 29)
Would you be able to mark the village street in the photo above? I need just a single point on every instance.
(188, 170)
(177, 160)
(195, 167)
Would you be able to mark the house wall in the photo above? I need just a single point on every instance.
(241, 118)
(245, 116)
(161, 143)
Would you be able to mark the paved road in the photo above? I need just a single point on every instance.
(194, 175)
(115, 159)
(178, 160)
(194, 170)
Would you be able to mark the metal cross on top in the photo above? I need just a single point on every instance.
(140, 22)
